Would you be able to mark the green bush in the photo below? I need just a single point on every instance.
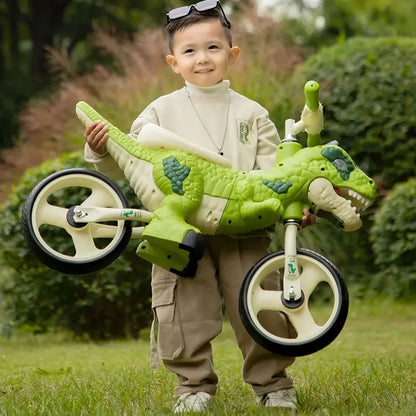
(368, 89)
(394, 241)
(111, 303)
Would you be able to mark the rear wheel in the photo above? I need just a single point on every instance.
(59, 242)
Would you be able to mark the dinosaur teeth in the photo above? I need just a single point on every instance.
(352, 193)
(360, 201)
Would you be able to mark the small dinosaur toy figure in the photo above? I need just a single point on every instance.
(192, 191)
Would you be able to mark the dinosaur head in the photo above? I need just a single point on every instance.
(340, 187)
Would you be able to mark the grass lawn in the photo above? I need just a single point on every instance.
(370, 369)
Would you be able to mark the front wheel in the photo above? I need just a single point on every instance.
(59, 242)
(313, 324)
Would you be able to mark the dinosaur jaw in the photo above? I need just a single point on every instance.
(342, 203)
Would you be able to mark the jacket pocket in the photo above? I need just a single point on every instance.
(170, 337)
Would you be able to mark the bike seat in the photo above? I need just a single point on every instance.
(156, 137)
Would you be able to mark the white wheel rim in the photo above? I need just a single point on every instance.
(102, 194)
(313, 273)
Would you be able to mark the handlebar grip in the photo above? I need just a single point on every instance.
(311, 91)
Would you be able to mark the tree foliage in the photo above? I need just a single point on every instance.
(30, 29)
(63, 24)
(318, 23)
(373, 18)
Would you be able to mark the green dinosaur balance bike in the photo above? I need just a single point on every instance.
(189, 191)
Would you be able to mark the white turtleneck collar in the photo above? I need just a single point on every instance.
(217, 89)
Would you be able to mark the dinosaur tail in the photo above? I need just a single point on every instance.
(88, 115)
(129, 155)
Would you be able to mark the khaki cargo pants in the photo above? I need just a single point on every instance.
(189, 315)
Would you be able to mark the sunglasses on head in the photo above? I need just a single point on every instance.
(202, 6)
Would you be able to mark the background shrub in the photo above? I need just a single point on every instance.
(111, 303)
(394, 241)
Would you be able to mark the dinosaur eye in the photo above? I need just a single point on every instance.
(339, 160)
(340, 164)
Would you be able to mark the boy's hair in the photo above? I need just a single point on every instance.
(195, 17)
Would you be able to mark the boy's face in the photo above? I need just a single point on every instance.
(201, 53)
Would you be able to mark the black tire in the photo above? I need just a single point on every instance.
(296, 342)
(71, 185)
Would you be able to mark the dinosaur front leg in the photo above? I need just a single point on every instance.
(171, 241)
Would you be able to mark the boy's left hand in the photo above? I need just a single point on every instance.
(308, 218)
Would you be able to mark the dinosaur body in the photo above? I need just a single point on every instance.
(191, 194)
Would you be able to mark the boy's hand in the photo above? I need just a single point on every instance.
(308, 218)
(96, 137)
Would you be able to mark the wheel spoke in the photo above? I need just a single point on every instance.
(304, 324)
(51, 215)
(84, 244)
(310, 277)
(98, 197)
(266, 300)
(103, 230)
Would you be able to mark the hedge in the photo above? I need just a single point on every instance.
(394, 241)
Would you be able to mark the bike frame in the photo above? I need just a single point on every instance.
(100, 235)
(82, 215)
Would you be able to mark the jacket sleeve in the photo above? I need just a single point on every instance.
(103, 163)
(267, 141)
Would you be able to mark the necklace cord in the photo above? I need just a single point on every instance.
(218, 148)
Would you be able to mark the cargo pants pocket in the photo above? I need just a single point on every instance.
(170, 338)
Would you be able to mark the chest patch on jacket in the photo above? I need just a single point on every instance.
(243, 132)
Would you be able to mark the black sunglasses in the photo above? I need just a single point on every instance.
(202, 6)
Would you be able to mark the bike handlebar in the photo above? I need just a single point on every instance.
(311, 91)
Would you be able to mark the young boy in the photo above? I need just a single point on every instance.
(207, 112)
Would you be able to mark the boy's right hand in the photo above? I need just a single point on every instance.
(96, 136)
